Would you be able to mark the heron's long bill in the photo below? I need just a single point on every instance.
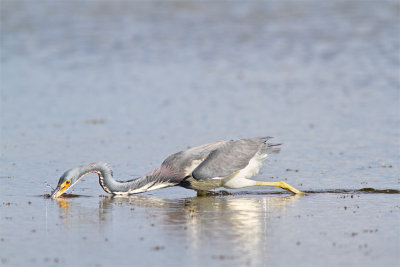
(61, 189)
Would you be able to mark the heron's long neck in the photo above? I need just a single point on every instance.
(110, 185)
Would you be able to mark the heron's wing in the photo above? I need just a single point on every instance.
(230, 157)
(181, 164)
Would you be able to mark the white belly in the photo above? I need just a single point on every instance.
(241, 179)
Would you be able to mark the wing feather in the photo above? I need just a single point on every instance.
(182, 163)
(228, 158)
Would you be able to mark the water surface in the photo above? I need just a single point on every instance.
(131, 82)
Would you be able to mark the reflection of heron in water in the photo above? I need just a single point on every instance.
(227, 164)
(233, 226)
(179, 209)
(207, 223)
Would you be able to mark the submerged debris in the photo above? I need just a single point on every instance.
(384, 165)
(95, 121)
(158, 247)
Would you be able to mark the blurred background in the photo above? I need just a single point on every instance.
(130, 82)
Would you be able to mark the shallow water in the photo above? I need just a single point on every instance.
(246, 229)
(131, 82)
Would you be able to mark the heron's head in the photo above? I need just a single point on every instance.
(67, 180)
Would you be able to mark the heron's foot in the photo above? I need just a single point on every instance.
(282, 185)
(287, 186)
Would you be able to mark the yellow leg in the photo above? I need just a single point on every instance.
(282, 185)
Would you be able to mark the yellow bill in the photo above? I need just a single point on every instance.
(60, 190)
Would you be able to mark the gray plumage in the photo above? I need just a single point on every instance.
(230, 157)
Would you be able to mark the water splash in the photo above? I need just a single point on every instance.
(48, 185)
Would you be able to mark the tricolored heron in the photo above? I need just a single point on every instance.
(227, 164)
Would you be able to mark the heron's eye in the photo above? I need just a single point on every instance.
(68, 182)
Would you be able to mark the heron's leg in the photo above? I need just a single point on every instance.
(203, 193)
(282, 185)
